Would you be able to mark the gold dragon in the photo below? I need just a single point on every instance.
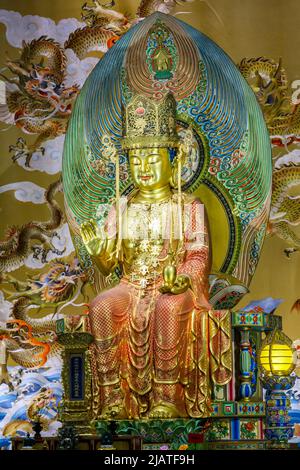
(268, 80)
(36, 95)
(18, 243)
(31, 341)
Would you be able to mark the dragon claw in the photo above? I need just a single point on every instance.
(58, 252)
(21, 149)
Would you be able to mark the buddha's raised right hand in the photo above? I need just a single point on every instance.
(93, 237)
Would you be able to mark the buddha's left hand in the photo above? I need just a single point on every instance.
(173, 283)
(181, 284)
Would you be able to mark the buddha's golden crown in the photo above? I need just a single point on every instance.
(150, 123)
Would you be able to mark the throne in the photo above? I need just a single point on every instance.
(229, 167)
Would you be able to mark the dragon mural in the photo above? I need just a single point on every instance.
(41, 86)
(39, 98)
(35, 396)
(18, 242)
(32, 341)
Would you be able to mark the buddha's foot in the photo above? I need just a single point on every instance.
(117, 411)
(165, 411)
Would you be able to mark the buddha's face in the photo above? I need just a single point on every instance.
(150, 167)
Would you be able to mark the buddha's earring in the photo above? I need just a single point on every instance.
(174, 174)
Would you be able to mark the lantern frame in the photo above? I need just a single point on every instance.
(276, 337)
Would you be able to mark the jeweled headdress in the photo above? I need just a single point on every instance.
(150, 123)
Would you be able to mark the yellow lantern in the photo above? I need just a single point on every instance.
(276, 356)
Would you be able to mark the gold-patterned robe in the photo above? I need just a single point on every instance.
(151, 347)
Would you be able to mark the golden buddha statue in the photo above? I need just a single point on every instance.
(150, 356)
(160, 349)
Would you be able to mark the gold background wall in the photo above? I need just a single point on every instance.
(243, 28)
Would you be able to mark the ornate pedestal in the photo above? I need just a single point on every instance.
(238, 410)
(238, 415)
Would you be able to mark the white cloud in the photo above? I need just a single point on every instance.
(29, 27)
(25, 191)
(5, 308)
(5, 114)
(78, 70)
